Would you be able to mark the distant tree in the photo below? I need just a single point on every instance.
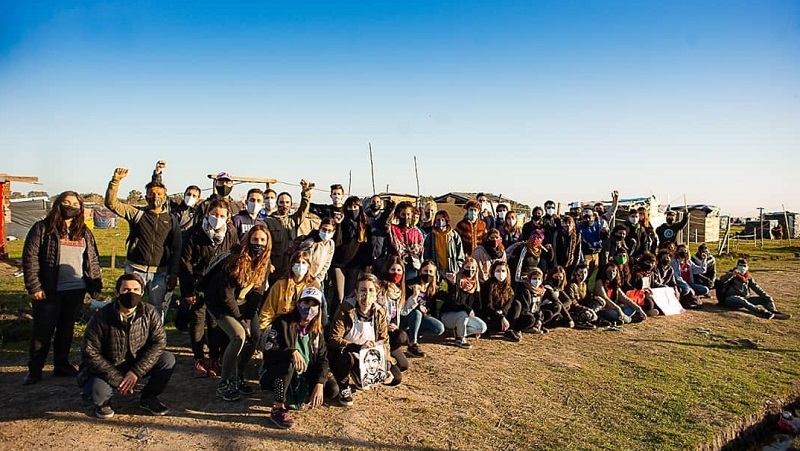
(134, 197)
(16, 195)
(93, 198)
(38, 194)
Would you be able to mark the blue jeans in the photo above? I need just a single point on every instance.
(97, 391)
(699, 290)
(415, 322)
(463, 324)
(751, 303)
(155, 288)
(613, 315)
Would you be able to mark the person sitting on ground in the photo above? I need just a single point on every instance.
(234, 288)
(664, 273)
(584, 317)
(211, 238)
(735, 288)
(489, 252)
(640, 282)
(295, 365)
(510, 229)
(458, 311)
(443, 246)
(417, 314)
(282, 296)
(685, 270)
(123, 343)
(709, 277)
(391, 297)
(556, 302)
(616, 305)
(500, 310)
(471, 228)
(623, 261)
(669, 230)
(529, 292)
(359, 324)
(244, 220)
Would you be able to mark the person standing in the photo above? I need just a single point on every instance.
(60, 265)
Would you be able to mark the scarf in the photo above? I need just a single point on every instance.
(743, 277)
(467, 285)
(494, 252)
(440, 248)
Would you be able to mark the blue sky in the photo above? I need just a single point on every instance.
(533, 100)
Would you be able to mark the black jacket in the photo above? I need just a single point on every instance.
(281, 341)
(40, 261)
(221, 292)
(109, 342)
(197, 252)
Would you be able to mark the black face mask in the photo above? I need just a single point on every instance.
(68, 212)
(619, 237)
(130, 300)
(353, 214)
(255, 250)
(665, 262)
(223, 190)
(425, 278)
(536, 217)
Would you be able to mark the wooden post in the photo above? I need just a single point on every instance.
(761, 224)
(417, 175)
(372, 169)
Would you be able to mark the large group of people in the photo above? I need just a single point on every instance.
(309, 288)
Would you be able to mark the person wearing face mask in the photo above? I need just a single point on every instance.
(213, 237)
(735, 290)
(529, 291)
(359, 323)
(606, 218)
(125, 342)
(546, 222)
(285, 292)
(486, 213)
(709, 277)
(154, 240)
(471, 228)
(333, 210)
(618, 240)
(638, 233)
(685, 269)
(233, 288)
(458, 311)
(584, 317)
(489, 252)
(284, 226)
(428, 211)
(270, 204)
(567, 246)
(641, 276)
(223, 185)
(417, 313)
(556, 302)
(591, 243)
(183, 211)
(378, 213)
(510, 229)
(406, 241)
(391, 297)
(664, 274)
(617, 307)
(295, 365)
(353, 252)
(651, 243)
(500, 310)
(247, 218)
(60, 265)
(668, 232)
(526, 255)
(320, 246)
(443, 246)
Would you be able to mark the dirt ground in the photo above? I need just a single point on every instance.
(499, 395)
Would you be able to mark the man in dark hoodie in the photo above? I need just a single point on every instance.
(669, 231)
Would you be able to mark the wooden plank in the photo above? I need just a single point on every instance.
(235, 178)
(18, 178)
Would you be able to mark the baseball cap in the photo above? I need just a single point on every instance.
(224, 176)
(310, 293)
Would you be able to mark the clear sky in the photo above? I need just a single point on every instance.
(531, 99)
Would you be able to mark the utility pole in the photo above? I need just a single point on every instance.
(761, 224)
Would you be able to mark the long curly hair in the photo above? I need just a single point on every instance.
(243, 268)
(54, 222)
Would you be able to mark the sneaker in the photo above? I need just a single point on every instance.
(416, 351)
(228, 391)
(66, 370)
(346, 397)
(463, 343)
(154, 406)
(32, 378)
(104, 412)
(214, 368)
(281, 418)
(766, 314)
(243, 387)
(512, 335)
(781, 315)
(584, 326)
(199, 369)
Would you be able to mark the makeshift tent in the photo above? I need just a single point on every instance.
(104, 218)
(24, 213)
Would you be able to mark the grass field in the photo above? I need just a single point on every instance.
(682, 382)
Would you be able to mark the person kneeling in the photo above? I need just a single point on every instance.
(296, 359)
(124, 342)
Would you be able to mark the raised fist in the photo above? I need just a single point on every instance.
(306, 186)
(119, 174)
(160, 165)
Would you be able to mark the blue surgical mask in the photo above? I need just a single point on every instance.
(471, 215)
(741, 269)
(325, 236)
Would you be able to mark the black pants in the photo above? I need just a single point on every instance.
(203, 329)
(397, 340)
(494, 322)
(277, 376)
(343, 363)
(526, 320)
(54, 315)
(97, 391)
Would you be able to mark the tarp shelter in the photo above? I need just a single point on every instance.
(24, 213)
(104, 218)
(5, 195)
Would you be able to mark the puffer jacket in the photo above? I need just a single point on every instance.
(198, 251)
(40, 261)
(108, 342)
(281, 344)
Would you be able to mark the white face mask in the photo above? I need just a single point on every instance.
(300, 269)
(485, 206)
(216, 223)
(254, 207)
(325, 236)
(336, 199)
(502, 214)
(634, 220)
(190, 201)
(270, 204)
(550, 211)
(501, 275)
(536, 282)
